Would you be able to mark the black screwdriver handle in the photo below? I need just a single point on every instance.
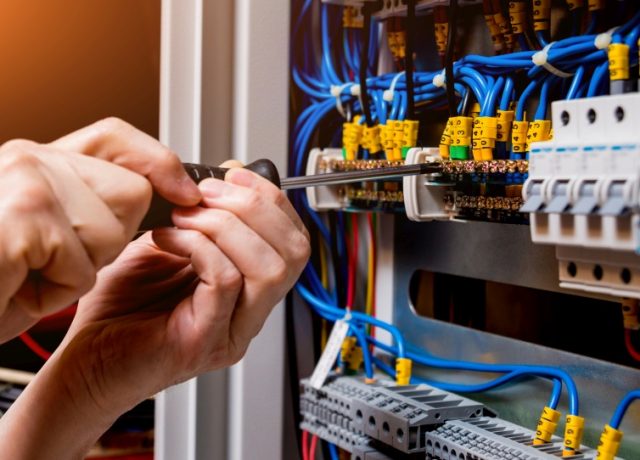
(159, 214)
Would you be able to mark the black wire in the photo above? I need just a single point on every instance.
(411, 20)
(451, 42)
(367, 12)
(335, 257)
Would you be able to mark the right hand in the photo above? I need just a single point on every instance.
(69, 208)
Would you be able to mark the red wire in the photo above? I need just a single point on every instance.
(305, 445)
(34, 346)
(314, 444)
(629, 344)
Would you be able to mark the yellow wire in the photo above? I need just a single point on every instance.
(370, 275)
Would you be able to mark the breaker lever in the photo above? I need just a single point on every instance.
(159, 214)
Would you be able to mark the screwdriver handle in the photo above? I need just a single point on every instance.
(159, 214)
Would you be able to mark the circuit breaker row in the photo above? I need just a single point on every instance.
(385, 421)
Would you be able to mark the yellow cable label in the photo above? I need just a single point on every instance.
(547, 425)
(351, 138)
(609, 445)
(619, 61)
(538, 131)
(462, 131)
(573, 431)
(371, 139)
(446, 139)
(505, 118)
(403, 371)
(519, 136)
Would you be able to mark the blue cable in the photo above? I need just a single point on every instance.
(333, 452)
(618, 415)
(597, 79)
(575, 83)
(475, 388)
(366, 354)
(507, 94)
(333, 313)
(541, 112)
(543, 371)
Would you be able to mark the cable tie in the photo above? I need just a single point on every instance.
(355, 90)
(603, 40)
(389, 94)
(336, 91)
(440, 80)
(541, 59)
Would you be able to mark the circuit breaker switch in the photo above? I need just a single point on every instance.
(616, 203)
(560, 199)
(533, 196)
(587, 200)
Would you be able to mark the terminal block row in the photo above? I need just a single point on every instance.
(399, 416)
(488, 438)
(327, 412)
(353, 415)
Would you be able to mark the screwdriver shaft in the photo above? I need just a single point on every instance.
(348, 177)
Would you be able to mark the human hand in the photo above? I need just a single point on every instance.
(68, 208)
(187, 301)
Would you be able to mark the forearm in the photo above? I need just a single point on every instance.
(55, 417)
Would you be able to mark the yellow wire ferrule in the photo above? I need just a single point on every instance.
(403, 371)
(618, 61)
(519, 130)
(573, 431)
(610, 440)
(446, 139)
(355, 359)
(347, 348)
(547, 424)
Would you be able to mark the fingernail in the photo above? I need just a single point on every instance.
(241, 177)
(212, 188)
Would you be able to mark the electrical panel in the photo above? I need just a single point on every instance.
(509, 270)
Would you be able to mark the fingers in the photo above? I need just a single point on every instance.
(43, 264)
(258, 236)
(258, 208)
(206, 316)
(268, 191)
(115, 141)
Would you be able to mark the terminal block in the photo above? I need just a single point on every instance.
(399, 416)
(327, 412)
(489, 190)
(492, 439)
(398, 8)
(384, 195)
(583, 194)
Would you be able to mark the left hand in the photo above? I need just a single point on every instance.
(187, 301)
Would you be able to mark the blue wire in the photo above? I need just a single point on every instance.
(597, 79)
(366, 354)
(475, 388)
(543, 371)
(333, 452)
(334, 313)
(541, 112)
(618, 415)
(507, 94)
(575, 83)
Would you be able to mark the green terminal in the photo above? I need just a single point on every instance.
(459, 152)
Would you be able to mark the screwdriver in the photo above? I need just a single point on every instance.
(159, 214)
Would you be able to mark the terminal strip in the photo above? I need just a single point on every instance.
(399, 416)
(327, 412)
(488, 438)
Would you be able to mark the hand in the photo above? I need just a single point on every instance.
(68, 208)
(173, 305)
